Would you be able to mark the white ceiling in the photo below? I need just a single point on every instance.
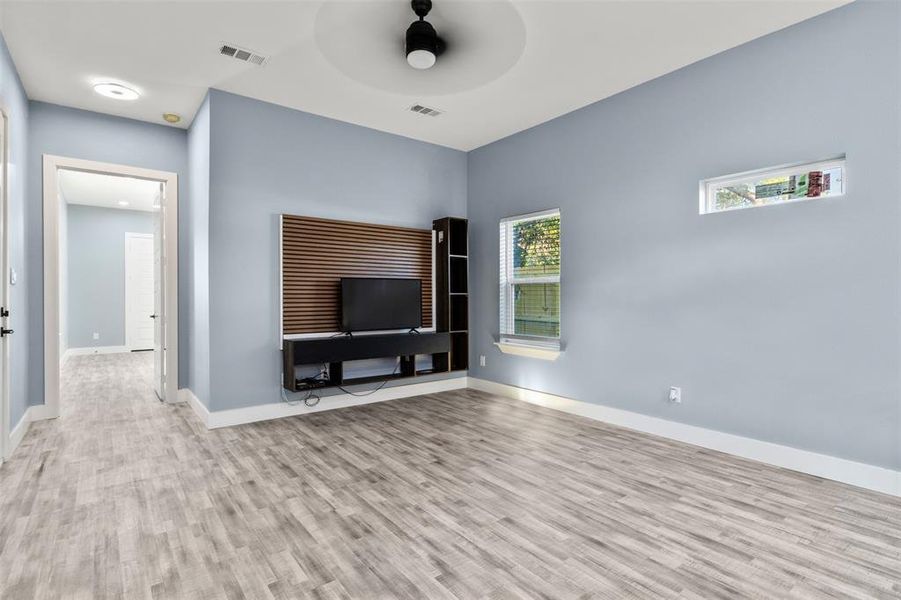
(511, 64)
(93, 189)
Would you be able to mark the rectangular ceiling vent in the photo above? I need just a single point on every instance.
(425, 110)
(242, 54)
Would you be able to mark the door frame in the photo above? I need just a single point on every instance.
(129, 235)
(5, 292)
(169, 215)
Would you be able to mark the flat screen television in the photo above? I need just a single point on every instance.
(369, 304)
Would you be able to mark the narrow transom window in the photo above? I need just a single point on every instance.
(777, 185)
(530, 277)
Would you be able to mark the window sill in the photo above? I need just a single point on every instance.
(531, 350)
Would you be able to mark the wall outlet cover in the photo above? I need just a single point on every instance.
(481, 360)
(675, 395)
(96, 336)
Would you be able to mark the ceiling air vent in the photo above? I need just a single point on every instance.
(242, 54)
(425, 110)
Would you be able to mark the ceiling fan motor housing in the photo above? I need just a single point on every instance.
(422, 36)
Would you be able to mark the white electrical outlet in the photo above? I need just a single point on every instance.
(481, 360)
(96, 336)
(675, 395)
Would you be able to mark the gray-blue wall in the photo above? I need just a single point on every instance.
(15, 105)
(92, 136)
(266, 160)
(96, 273)
(196, 320)
(779, 323)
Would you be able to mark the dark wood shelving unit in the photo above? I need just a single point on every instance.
(452, 290)
(335, 351)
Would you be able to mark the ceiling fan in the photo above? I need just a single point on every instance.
(423, 44)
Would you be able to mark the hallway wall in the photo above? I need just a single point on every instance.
(96, 272)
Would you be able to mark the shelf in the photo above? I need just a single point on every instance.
(459, 351)
(458, 243)
(452, 291)
(458, 276)
(429, 371)
(303, 386)
(459, 312)
(441, 363)
(339, 350)
(375, 379)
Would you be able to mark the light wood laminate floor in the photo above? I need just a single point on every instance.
(452, 495)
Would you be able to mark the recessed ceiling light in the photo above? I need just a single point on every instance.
(123, 203)
(116, 91)
(171, 118)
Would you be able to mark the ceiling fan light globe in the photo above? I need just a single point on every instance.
(421, 59)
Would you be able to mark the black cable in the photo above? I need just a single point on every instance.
(370, 392)
(310, 393)
(305, 400)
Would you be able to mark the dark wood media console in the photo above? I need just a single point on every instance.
(318, 253)
(334, 351)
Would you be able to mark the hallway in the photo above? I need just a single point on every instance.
(86, 496)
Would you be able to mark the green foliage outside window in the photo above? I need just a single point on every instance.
(536, 253)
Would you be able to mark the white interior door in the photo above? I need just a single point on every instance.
(139, 291)
(159, 363)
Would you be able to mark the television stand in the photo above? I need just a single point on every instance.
(335, 351)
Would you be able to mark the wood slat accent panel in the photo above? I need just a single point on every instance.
(317, 253)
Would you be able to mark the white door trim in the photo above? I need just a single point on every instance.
(169, 212)
(129, 235)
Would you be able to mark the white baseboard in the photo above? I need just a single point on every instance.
(822, 465)
(277, 410)
(32, 413)
(186, 395)
(94, 350)
(40, 412)
(18, 432)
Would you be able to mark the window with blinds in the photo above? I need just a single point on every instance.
(530, 277)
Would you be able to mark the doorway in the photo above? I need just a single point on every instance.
(110, 270)
(141, 291)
